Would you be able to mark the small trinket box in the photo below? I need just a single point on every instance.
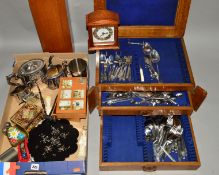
(15, 134)
(28, 116)
(71, 101)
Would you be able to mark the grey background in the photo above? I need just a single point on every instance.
(18, 35)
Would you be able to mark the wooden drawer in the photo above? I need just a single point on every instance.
(123, 146)
(183, 106)
(174, 66)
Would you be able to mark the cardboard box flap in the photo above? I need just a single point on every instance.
(160, 18)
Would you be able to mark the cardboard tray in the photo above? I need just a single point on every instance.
(74, 164)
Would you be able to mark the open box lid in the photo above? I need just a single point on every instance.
(157, 18)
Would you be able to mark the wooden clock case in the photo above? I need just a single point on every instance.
(102, 18)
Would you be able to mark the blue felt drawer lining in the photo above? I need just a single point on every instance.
(124, 140)
(147, 12)
(172, 66)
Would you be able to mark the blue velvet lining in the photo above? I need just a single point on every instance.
(172, 65)
(124, 140)
(147, 12)
(181, 101)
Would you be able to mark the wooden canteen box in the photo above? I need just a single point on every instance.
(162, 24)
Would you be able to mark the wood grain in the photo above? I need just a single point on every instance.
(145, 87)
(188, 62)
(51, 21)
(198, 96)
(141, 166)
(99, 4)
(72, 117)
(194, 140)
(92, 98)
(182, 16)
(145, 110)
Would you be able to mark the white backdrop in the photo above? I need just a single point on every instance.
(18, 35)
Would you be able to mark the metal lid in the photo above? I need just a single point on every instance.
(31, 67)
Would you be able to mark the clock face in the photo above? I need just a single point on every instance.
(103, 35)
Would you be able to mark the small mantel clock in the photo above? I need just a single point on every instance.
(102, 26)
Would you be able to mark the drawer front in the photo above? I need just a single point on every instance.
(149, 167)
(174, 67)
(138, 103)
(123, 146)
